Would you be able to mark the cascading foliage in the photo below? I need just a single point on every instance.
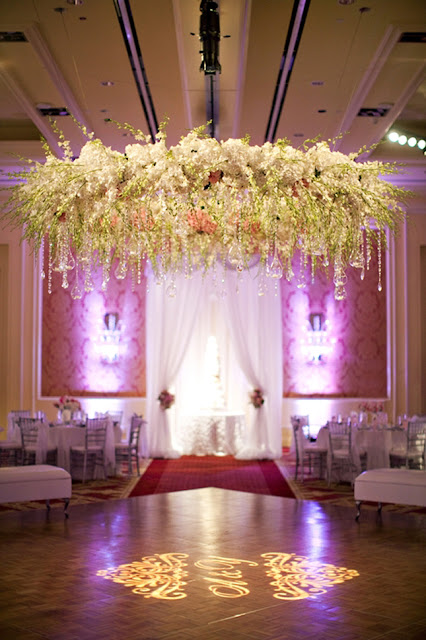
(202, 203)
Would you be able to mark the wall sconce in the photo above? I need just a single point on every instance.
(317, 343)
(110, 339)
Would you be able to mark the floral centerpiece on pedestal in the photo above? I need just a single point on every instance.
(166, 399)
(256, 398)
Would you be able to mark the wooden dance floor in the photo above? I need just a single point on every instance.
(212, 564)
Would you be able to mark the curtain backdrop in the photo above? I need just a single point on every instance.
(254, 324)
(169, 324)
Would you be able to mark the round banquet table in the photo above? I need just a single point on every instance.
(62, 437)
(376, 443)
(217, 432)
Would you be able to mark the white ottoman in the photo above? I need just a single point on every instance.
(35, 482)
(397, 486)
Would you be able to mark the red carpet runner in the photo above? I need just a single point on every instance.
(197, 472)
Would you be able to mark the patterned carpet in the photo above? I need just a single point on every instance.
(342, 495)
(190, 472)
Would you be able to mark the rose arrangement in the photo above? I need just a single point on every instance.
(68, 403)
(256, 398)
(166, 399)
(201, 201)
(372, 407)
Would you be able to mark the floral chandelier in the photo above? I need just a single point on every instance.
(203, 204)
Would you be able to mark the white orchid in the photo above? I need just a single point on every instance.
(200, 199)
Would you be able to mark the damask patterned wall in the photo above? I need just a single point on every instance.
(71, 339)
(355, 365)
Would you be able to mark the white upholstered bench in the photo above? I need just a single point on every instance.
(397, 486)
(35, 482)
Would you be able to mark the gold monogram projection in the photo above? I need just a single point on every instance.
(163, 576)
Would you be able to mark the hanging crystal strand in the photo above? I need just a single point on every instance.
(171, 288)
(88, 282)
(106, 271)
(49, 277)
(139, 267)
(121, 270)
(163, 239)
(234, 255)
(368, 253)
(65, 280)
(76, 292)
(275, 269)
(339, 278)
(379, 261)
(41, 260)
(262, 287)
(301, 280)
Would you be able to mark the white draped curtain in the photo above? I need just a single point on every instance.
(254, 324)
(256, 331)
(169, 324)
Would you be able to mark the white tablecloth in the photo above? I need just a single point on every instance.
(63, 437)
(212, 433)
(376, 443)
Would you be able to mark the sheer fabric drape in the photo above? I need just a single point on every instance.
(256, 331)
(254, 323)
(169, 323)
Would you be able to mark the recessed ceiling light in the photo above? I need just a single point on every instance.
(421, 144)
(107, 83)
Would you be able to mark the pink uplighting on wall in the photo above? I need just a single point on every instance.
(72, 332)
(355, 362)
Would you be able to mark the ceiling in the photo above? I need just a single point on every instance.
(291, 69)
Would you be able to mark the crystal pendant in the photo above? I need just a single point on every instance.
(275, 269)
(339, 292)
(76, 292)
(171, 289)
(234, 255)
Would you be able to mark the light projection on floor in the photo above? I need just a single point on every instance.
(296, 577)
(160, 576)
(165, 576)
(226, 580)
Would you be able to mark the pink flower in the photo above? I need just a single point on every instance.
(166, 399)
(256, 398)
(201, 221)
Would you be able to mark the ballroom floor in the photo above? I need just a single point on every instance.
(212, 564)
